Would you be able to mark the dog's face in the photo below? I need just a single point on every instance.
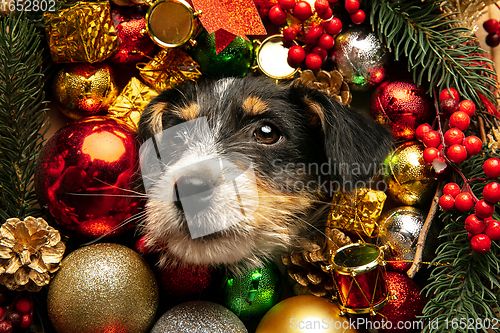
(233, 168)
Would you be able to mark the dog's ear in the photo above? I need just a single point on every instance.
(355, 144)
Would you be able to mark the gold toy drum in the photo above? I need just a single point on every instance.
(360, 277)
(172, 23)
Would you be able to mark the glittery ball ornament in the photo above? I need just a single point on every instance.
(103, 288)
(409, 180)
(181, 283)
(82, 90)
(235, 60)
(85, 177)
(199, 317)
(130, 26)
(404, 307)
(252, 294)
(399, 229)
(304, 314)
(361, 57)
(402, 106)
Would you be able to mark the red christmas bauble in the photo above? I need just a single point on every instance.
(135, 43)
(181, 283)
(401, 105)
(86, 174)
(405, 308)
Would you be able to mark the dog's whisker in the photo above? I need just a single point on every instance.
(108, 195)
(122, 224)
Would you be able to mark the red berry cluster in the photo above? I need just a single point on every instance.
(318, 38)
(492, 27)
(16, 313)
(481, 226)
(453, 144)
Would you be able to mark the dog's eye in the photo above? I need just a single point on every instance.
(267, 134)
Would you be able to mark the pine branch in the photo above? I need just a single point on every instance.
(462, 291)
(22, 115)
(445, 55)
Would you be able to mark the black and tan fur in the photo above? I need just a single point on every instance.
(301, 127)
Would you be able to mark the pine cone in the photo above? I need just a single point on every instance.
(330, 82)
(30, 251)
(308, 267)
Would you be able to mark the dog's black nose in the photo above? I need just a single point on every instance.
(195, 191)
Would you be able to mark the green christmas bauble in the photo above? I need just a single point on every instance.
(235, 60)
(253, 293)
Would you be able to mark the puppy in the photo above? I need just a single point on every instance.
(239, 169)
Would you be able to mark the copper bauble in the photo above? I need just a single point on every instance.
(303, 314)
(103, 288)
(85, 176)
(402, 106)
(82, 90)
(409, 180)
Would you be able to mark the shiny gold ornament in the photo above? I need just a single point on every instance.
(409, 180)
(170, 67)
(131, 102)
(30, 251)
(83, 90)
(330, 82)
(304, 314)
(357, 212)
(103, 288)
(4, 7)
(81, 33)
(172, 23)
(399, 229)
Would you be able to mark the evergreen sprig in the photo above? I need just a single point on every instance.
(22, 115)
(438, 51)
(463, 288)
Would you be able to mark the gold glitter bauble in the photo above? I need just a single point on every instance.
(103, 288)
(303, 314)
(83, 90)
(409, 179)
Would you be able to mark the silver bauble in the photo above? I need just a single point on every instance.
(400, 229)
(361, 57)
(199, 317)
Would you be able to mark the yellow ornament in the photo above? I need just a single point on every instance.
(169, 68)
(30, 252)
(409, 180)
(83, 90)
(81, 33)
(103, 288)
(305, 314)
(131, 102)
(358, 211)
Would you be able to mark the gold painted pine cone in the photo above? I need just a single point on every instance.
(308, 268)
(330, 82)
(30, 251)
